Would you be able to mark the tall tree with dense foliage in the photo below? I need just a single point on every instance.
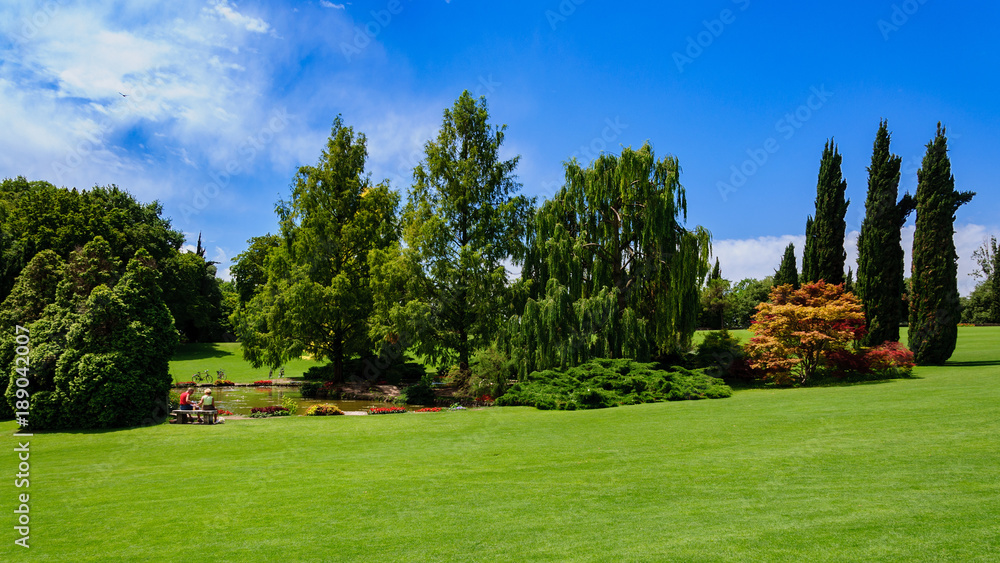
(317, 298)
(249, 270)
(613, 271)
(463, 221)
(934, 302)
(101, 347)
(880, 253)
(787, 273)
(824, 254)
(798, 329)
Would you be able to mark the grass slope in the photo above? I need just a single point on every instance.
(900, 470)
(227, 356)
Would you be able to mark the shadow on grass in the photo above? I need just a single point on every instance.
(983, 363)
(205, 351)
(743, 386)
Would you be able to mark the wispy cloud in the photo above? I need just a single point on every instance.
(228, 12)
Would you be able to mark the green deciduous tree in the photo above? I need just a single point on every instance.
(934, 303)
(249, 270)
(317, 298)
(880, 254)
(824, 253)
(613, 271)
(787, 273)
(461, 224)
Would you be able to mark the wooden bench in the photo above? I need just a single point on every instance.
(182, 415)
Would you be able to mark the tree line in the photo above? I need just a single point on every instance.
(929, 300)
(358, 271)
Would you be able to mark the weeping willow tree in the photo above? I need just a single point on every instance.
(611, 270)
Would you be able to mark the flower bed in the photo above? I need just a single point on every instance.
(224, 412)
(429, 409)
(386, 410)
(268, 412)
(263, 383)
(224, 383)
(186, 384)
(324, 410)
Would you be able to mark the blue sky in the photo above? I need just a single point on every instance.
(224, 100)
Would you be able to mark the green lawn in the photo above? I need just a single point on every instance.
(906, 470)
(227, 356)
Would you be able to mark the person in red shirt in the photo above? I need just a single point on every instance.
(185, 402)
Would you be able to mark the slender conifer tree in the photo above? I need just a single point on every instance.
(824, 251)
(934, 305)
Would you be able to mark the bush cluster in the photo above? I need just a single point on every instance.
(420, 393)
(386, 410)
(886, 361)
(324, 410)
(268, 412)
(603, 383)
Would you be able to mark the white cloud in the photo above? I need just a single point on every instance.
(192, 86)
(327, 4)
(228, 11)
(760, 257)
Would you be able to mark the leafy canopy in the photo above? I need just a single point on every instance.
(798, 328)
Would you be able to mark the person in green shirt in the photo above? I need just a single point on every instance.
(207, 403)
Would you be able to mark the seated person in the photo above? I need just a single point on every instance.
(185, 403)
(207, 403)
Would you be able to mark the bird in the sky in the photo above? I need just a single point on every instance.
(123, 95)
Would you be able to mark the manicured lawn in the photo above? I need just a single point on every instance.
(907, 470)
(227, 356)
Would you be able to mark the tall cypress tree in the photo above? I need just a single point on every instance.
(824, 250)
(880, 254)
(787, 273)
(934, 306)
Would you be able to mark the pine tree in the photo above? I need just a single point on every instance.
(787, 272)
(824, 251)
(880, 254)
(934, 304)
(462, 222)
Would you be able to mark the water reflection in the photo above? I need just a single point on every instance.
(240, 400)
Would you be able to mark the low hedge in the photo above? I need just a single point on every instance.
(603, 383)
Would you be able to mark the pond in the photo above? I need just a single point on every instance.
(240, 400)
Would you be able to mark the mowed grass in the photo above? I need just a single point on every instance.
(906, 470)
(227, 356)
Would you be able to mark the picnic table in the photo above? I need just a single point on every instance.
(182, 415)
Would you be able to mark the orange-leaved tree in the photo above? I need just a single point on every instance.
(794, 332)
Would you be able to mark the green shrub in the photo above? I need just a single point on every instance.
(718, 354)
(420, 393)
(291, 404)
(603, 383)
(324, 410)
(174, 398)
(491, 370)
